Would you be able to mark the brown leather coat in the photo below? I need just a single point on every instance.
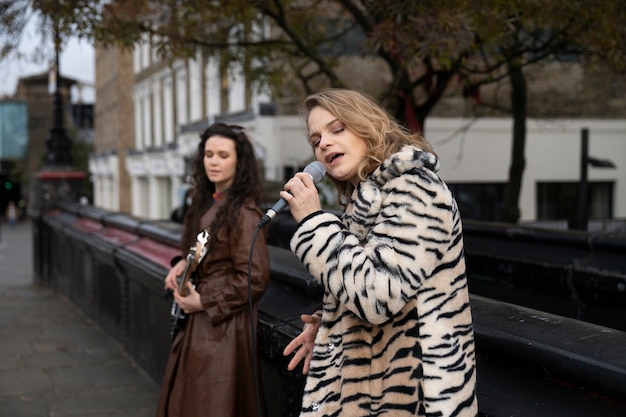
(209, 371)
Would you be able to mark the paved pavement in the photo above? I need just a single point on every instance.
(54, 361)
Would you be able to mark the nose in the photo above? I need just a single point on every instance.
(324, 142)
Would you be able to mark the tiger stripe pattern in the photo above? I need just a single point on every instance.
(396, 337)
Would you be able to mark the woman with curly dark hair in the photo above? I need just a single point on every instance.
(210, 369)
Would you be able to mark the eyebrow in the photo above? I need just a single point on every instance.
(326, 125)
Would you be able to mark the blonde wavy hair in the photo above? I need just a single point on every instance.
(364, 117)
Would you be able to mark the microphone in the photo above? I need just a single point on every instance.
(315, 170)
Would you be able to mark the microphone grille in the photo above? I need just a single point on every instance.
(316, 170)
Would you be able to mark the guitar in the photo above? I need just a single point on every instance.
(178, 318)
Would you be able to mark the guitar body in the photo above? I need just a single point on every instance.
(178, 318)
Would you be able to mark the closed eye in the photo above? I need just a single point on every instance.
(315, 140)
(336, 127)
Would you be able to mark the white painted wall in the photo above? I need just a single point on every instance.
(284, 141)
(553, 149)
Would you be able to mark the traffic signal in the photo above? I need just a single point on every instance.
(8, 185)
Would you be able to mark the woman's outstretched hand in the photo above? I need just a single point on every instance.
(305, 341)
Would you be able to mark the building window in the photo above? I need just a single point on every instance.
(559, 200)
(479, 201)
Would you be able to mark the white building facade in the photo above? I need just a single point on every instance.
(174, 103)
(477, 153)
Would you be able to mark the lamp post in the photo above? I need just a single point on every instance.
(58, 144)
(58, 181)
(582, 219)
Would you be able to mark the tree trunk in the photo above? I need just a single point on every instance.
(518, 162)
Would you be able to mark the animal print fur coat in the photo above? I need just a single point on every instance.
(396, 337)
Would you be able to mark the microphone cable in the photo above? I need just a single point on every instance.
(316, 171)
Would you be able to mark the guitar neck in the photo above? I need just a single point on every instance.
(184, 277)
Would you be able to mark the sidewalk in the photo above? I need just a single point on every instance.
(54, 361)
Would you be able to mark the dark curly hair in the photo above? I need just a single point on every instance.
(247, 185)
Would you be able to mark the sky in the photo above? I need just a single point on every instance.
(76, 61)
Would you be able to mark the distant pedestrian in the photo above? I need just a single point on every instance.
(12, 214)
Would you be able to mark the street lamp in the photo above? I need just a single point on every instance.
(58, 144)
(583, 186)
(58, 181)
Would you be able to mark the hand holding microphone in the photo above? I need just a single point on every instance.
(316, 171)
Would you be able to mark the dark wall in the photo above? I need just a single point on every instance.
(112, 266)
(573, 274)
